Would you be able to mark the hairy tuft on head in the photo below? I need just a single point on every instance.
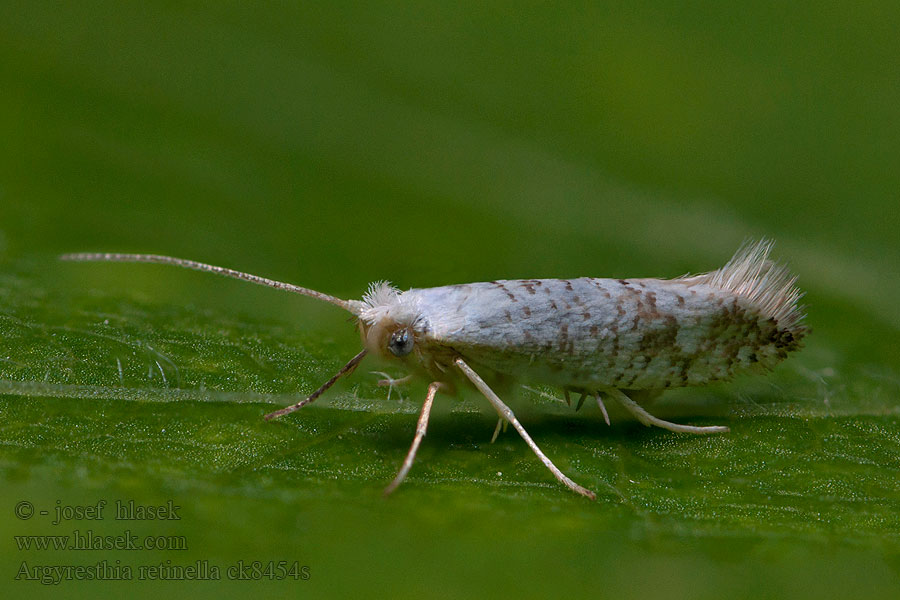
(384, 301)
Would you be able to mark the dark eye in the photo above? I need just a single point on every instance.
(401, 342)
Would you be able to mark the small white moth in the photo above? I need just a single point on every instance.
(626, 339)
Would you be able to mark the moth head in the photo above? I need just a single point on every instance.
(388, 338)
(387, 321)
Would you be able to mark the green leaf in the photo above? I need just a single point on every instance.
(336, 144)
(167, 402)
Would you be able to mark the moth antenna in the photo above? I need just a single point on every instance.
(345, 370)
(350, 306)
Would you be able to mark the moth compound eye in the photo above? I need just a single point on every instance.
(401, 342)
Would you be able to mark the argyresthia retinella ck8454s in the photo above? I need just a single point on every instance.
(626, 339)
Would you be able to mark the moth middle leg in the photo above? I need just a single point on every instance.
(508, 415)
(647, 419)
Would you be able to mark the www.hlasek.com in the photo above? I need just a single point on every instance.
(91, 540)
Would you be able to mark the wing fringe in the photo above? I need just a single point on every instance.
(767, 285)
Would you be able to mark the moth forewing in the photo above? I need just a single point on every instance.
(613, 337)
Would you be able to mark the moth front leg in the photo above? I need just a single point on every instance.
(390, 382)
(421, 428)
(507, 414)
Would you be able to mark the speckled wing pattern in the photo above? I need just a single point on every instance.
(637, 334)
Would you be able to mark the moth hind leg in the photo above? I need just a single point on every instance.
(647, 419)
(644, 397)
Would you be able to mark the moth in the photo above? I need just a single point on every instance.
(625, 339)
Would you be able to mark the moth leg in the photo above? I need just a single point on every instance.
(497, 430)
(501, 422)
(581, 401)
(421, 427)
(647, 419)
(507, 414)
(602, 407)
(390, 382)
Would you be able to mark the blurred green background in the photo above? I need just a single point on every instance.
(333, 144)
